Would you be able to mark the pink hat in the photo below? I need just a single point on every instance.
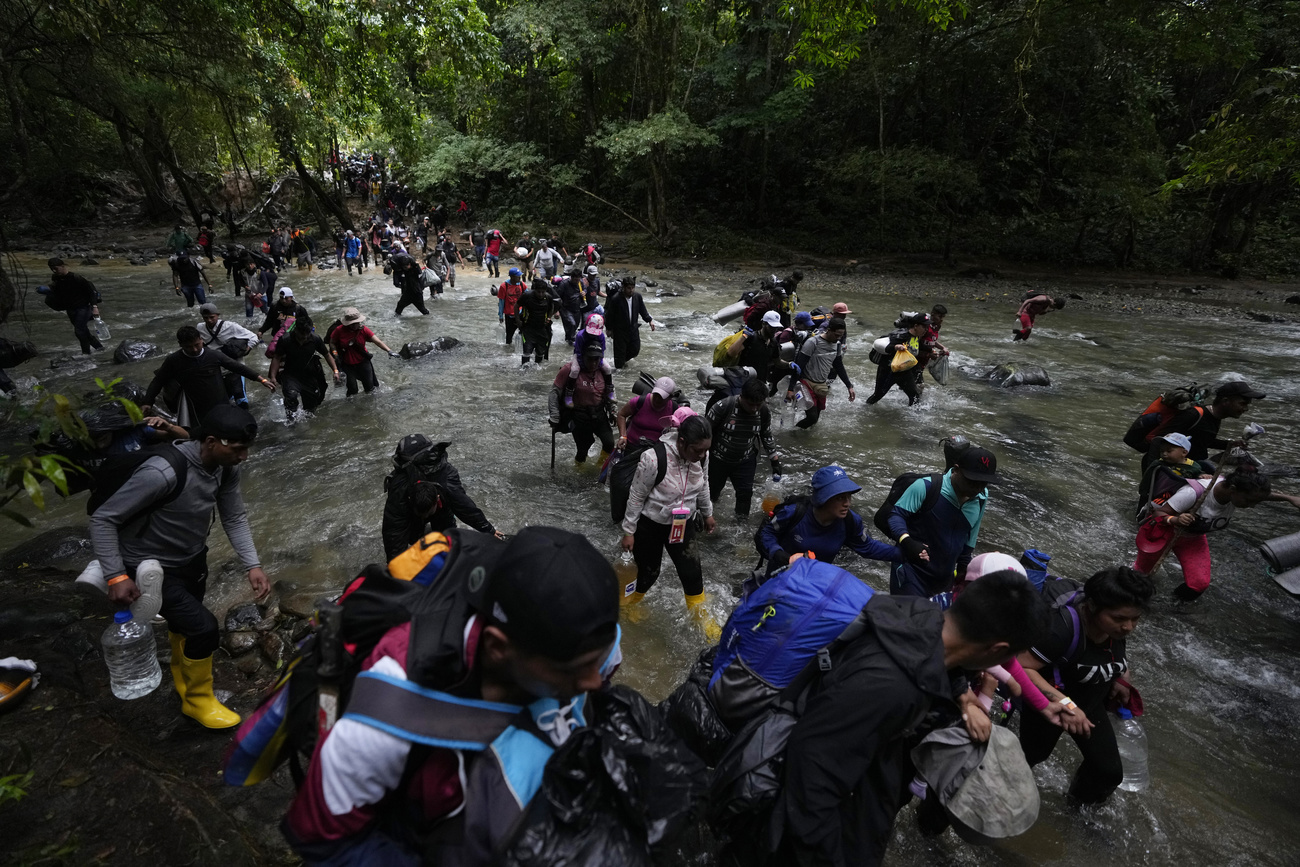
(682, 415)
(664, 387)
(994, 561)
(596, 324)
(840, 309)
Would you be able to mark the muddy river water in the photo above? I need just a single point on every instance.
(1221, 681)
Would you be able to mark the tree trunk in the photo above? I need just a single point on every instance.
(322, 202)
(156, 203)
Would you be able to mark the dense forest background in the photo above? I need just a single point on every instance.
(1122, 133)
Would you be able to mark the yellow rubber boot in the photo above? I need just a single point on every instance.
(631, 605)
(604, 456)
(199, 703)
(178, 650)
(700, 614)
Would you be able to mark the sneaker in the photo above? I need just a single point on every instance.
(93, 577)
(148, 580)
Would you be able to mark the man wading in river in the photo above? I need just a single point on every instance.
(140, 533)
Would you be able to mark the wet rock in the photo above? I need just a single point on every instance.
(421, 348)
(1075, 296)
(1013, 375)
(979, 272)
(13, 353)
(237, 643)
(134, 350)
(250, 664)
(244, 616)
(267, 623)
(89, 261)
(299, 606)
(274, 650)
(67, 360)
(47, 549)
(1294, 299)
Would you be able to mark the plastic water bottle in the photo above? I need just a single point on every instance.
(1132, 742)
(131, 657)
(101, 329)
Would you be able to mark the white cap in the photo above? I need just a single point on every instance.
(994, 561)
(286, 292)
(772, 318)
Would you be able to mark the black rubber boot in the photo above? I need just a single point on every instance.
(1183, 593)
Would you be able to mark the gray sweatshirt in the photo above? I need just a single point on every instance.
(176, 533)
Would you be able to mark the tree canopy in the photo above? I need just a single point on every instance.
(1150, 133)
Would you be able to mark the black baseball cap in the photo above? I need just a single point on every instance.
(227, 422)
(979, 465)
(554, 594)
(1238, 388)
(55, 262)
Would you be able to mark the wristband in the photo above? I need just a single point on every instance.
(1068, 704)
(902, 537)
(118, 580)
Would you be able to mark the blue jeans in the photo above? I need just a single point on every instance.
(192, 293)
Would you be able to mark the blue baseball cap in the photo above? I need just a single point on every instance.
(1177, 439)
(829, 482)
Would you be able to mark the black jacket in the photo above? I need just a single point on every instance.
(72, 291)
(403, 526)
(617, 322)
(847, 765)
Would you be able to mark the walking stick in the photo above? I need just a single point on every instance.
(552, 447)
(1252, 430)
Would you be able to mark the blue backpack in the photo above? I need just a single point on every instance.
(775, 632)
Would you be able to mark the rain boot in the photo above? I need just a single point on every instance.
(178, 650)
(631, 605)
(697, 612)
(199, 703)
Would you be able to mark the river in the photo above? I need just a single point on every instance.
(1221, 680)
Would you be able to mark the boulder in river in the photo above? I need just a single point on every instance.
(424, 347)
(134, 350)
(13, 354)
(48, 549)
(1013, 375)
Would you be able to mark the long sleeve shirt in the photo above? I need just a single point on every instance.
(783, 535)
(685, 485)
(175, 533)
(737, 433)
(200, 377)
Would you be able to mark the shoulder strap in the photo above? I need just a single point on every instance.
(661, 455)
(932, 494)
(427, 716)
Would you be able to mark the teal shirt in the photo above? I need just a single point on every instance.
(972, 509)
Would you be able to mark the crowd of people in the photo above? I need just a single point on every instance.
(536, 634)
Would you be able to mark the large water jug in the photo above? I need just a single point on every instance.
(1132, 742)
(131, 657)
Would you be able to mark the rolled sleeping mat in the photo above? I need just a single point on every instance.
(644, 383)
(1289, 581)
(706, 373)
(1282, 553)
(730, 312)
(787, 351)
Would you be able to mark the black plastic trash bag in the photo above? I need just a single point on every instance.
(617, 793)
(13, 354)
(691, 714)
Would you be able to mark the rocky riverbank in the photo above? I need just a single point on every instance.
(127, 782)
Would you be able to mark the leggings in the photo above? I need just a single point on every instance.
(1193, 553)
(650, 541)
(740, 475)
(1101, 771)
(182, 605)
(887, 379)
(363, 373)
(590, 424)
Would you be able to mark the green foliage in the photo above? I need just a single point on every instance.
(670, 132)
(13, 787)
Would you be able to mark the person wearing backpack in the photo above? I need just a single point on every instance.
(76, 296)
(199, 373)
(508, 295)
(820, 357)
(761, 350)
(424, 493)
(909, 331)
(406, 277)
(947, 526)
(296, 367)
(593, 404)
(534, 631)
(644, 418)
(661, 515)
(1182, 522)
(847, 761)
(740, 423)
(188, 277)
(1201, 424)
(162, 512)
(230, 338)
(1084, 652)
(492, 252)
(285, 306)
(822, 526)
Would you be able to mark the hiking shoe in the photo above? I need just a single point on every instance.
(148, 580)
(93, 577)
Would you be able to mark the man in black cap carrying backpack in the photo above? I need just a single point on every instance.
(162, 513)
(425, 493)
(1201, 424)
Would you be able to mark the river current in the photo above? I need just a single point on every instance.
(1221, 681)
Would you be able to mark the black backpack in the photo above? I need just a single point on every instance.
(114, 472)
(620, 477)
(897, 489)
